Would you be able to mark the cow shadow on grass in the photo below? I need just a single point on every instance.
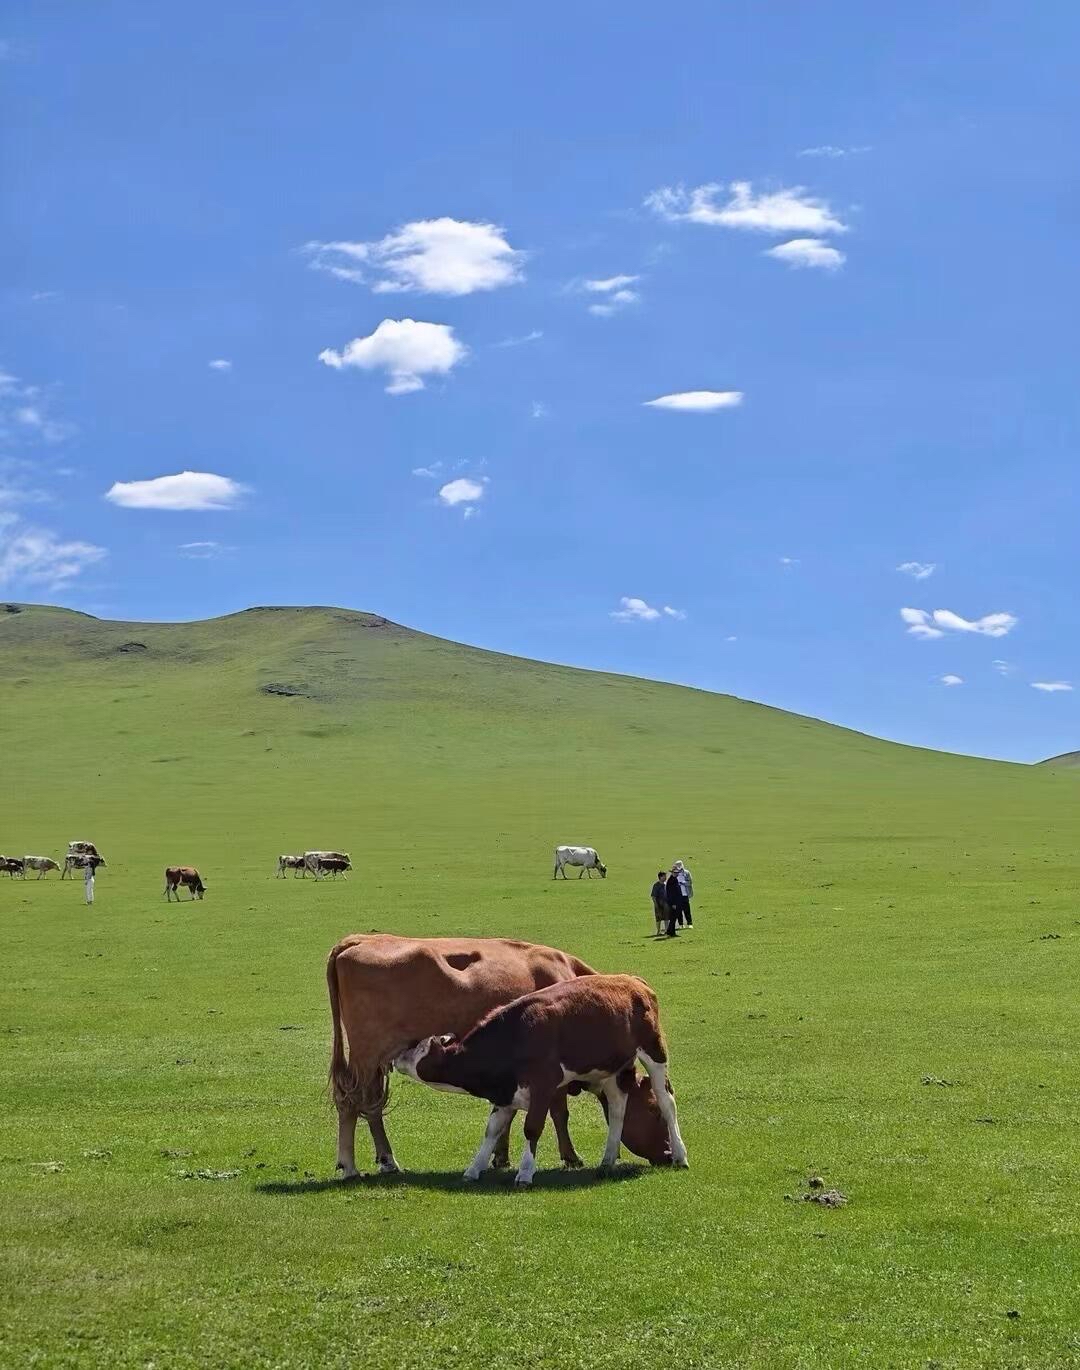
(451, 1182)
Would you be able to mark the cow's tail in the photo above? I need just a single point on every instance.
(354, 1092)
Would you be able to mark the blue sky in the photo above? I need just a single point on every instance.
(897, 387)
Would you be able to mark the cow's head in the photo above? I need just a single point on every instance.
(199, 886)
(601, 868)
(644, 1130)
(424, 1061)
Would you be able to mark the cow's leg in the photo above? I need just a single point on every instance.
(666, 1101)
(540, 1100)
(498, 1123)
(346, 1144)
(500, 1159)
(616, 1097)
(560, 1118)
(384, 1152)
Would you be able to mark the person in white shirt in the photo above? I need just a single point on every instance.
(686, 885)
(88, 880)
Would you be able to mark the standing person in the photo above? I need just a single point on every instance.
(673, 894)
(88, 879)
(686, 887)
(659, 901)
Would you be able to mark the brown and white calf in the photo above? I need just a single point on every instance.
(188, 876)
(589, 1031)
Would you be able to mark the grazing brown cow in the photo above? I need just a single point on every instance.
(590, 1030)
(13, 866)
(175, 876)
(387, 992)
(75, 861)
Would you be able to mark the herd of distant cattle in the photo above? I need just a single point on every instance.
(81, 855)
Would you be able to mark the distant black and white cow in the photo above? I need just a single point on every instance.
(321, 863)
(77, 861)
(589, 1031)
(41, 864)
(83, 849)
(291, 863)
(13, 866)
(585, 857)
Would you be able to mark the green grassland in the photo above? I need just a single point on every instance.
(869, 917)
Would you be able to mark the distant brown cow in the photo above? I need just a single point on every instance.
(188, 876)
(387, 992)
(592, 1030)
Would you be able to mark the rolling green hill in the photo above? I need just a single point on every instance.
(881, 988)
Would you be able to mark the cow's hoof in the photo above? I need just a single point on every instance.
(500, 1163)
(522, 1181)
(681, 1163)
(606, 1168)
(471, 1175)
(347, 1174)
(390, 1167)
(573, 1162)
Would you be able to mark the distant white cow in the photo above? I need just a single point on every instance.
(291, 863)
(41, 864)
(585, 857)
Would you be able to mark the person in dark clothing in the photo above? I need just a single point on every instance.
(674, 896)
(659, 901)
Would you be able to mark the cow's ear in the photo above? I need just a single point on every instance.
(446, 1039)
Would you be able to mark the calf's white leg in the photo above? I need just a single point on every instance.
(499, 1119)
(616, 1102)
(658, 1078)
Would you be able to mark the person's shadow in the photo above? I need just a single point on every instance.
(495, 1182)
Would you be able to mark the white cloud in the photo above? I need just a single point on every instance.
(615, 293)
(791, 210)
(405, 349)
(1051, 687)
(187, 490)
(919, 625)
(203, 551)
(220, 364)
(539, 409)
(432, 256)
(609, 284)
(925, 625)
(614, 303)
(534, 336)
(1003, 667)
(990, 625)
(461, 491)
(832, 151)
(24, 413)
(428, 472)
(36, 556)
(920, 570)
(731, 638)
(632, 610)
(952, 680)
(790, 561)
(808, 252)
(698, 401)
